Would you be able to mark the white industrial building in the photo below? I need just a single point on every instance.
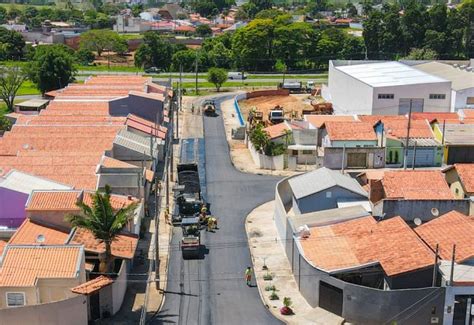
(461, 77)
(384, 88)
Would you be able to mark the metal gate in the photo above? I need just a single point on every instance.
(330, 298)
(357, 160)
(460, 155)
(404, 105)
(423, 157)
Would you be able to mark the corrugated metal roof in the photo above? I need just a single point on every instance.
(328, 216)
(134, 142)
(461, 79)
(458, 134)
(25, 183)
(321, 179)
(388, 74)
(421, 142)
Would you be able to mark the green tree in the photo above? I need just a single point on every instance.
(373, 33)
(203, 30)
(259, 138)
(414, 23)
(351, 10)
(353, 48)
(391, 37)
(137, 9)
(3, 15)
(100, 40)
(154, 52)
(217, 76)
(268, 14)
(84, 56)
(220, 56)
(262, 4)
(103, 222)
(185, 58)
(5, 124)
(11, 79)
(13, 12)
(421, 54)
(11, 44)
(52, 67)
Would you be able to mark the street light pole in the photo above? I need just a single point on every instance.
(408, 137)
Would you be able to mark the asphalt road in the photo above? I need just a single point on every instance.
(212, 290)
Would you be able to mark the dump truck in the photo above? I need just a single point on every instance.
(292, 86)
(276, 115)
(191, 240)
(187, 192)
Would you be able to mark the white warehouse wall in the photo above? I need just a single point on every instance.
(459, 100)
(390, 106)
(348, 95)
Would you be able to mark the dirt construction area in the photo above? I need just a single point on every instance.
(292, 104)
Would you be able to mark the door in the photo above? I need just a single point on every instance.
(94, 303)
(330, 298)
(423, 157)
(357, 160)
(404, 105)
(463, 310)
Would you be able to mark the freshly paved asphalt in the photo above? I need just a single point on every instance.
(212, 290)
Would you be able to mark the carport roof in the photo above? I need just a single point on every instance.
(322, 179)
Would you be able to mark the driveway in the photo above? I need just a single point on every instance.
(212, 290)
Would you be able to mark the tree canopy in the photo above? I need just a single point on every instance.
(217, 76)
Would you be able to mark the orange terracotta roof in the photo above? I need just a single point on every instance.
(123, 246)
(359, 242)
(93, 285)
(350, 131)
(185, 28)
(466, 175)
(2, 246)
(29, 231)
(117, 79)
(416, 185)
(318, 120)
(447, 230)
(110, 162)
(469, 113)
(374, 119)
(145, 126)
(277, 130)
(432, 116)
(22, 266)
(155, 96)
(89, 266)
(67, 200)
(398, 128)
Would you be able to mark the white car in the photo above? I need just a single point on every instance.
(236, 76)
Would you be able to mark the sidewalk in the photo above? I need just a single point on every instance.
(265, 248)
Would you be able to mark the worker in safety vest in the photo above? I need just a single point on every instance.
(248, 275)
(211, 223)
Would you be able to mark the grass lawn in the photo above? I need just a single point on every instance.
(28, 88)
(132, 36)
(3, 108)
(291, 76)
(22, 6)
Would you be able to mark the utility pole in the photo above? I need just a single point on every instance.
(435, 267)
(408, 136)
(414, 157)
(196, 68)
(451, 276)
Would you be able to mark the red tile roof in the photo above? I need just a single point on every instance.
(145, 126)
(29, 231)
(466, 175)
(447, 230)
(359, 242)
(109, 162)
(432, 116)
(318, 120)
(22, 266)
(374, 119)
(93, 285)
(398, 128)
(123, 246)
(416, 185)
(2, 246)
(351, 131)
(277, 130)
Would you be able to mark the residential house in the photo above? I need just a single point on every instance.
(135, 149)
(39, 274)
(350, 145)
(462, 82)
(460, 178)
(364, 270)
(413, 194)
(31, 106)
(384, 88)
(15, 188)
(422, 150)
(52, 207)
(148, 129)
(171, 11)
(303, 146)
(457, 137)
(442, 234)
(317, 121)
(322, 189)
(129, 24)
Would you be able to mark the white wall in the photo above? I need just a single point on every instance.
(390, 106)
(348, 95)
(460, 98)
(119, 287)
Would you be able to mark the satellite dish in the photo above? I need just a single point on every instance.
(435, 212)
(417, 221)
(40, 239)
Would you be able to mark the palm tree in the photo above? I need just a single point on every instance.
(104, 223)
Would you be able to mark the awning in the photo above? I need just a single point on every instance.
(302, 147)
(92, 286)
(33, 103)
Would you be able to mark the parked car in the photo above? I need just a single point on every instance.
(152, 70)
(236, 76)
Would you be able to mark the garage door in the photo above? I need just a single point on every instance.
(424, 157)
(356, 160)
(404, 105)
(330, 298)
(460, 155)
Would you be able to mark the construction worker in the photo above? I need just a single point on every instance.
(192, 109)
(211, 223)
(248, 275)
(167, 216)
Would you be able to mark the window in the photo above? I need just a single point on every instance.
(15, 299)
(386, 96)
(294, 152)
(437, 96)
(328, 194)
(307, 152)
(470, 101)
